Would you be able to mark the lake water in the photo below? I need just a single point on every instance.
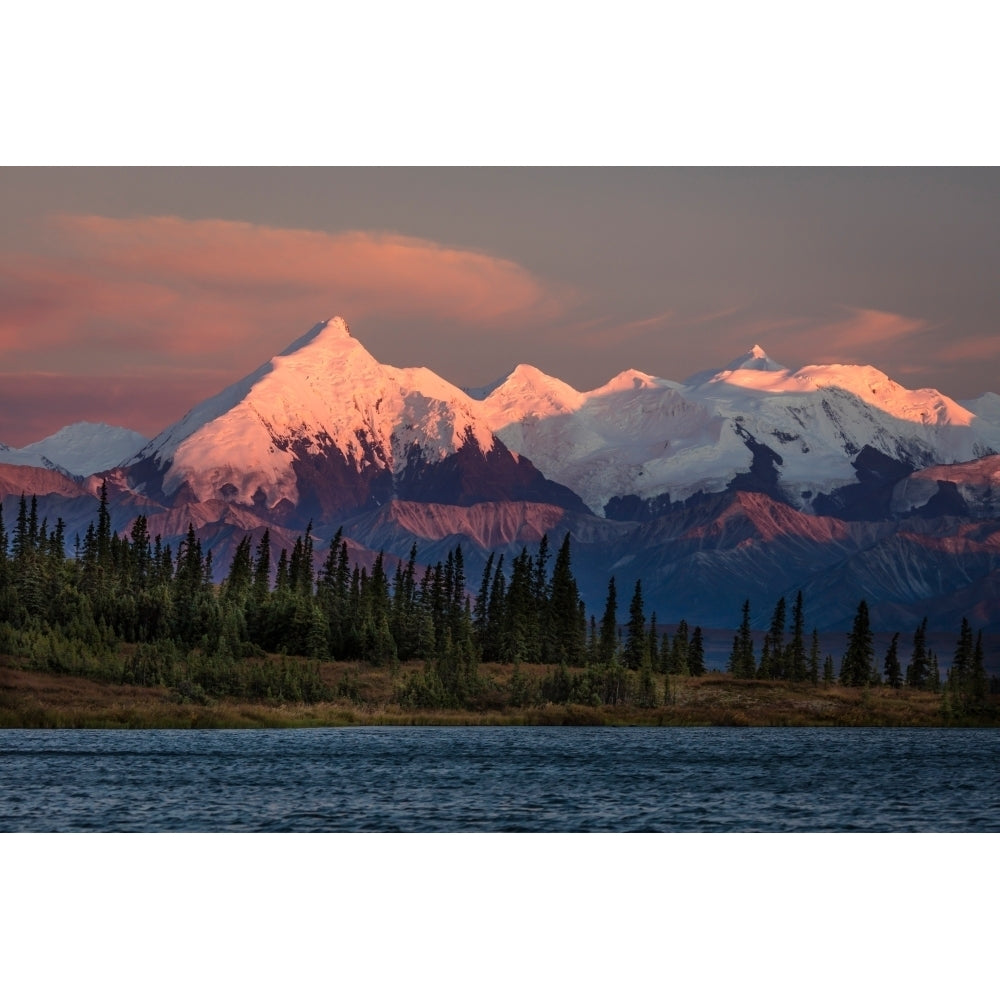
(501, 779)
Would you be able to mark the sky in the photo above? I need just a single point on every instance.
(127, 295)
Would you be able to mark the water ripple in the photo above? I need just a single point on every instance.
(503, 779)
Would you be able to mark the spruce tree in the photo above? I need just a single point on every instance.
(496, 615)
(592, 642)
(544, 643)
(814, 658)
(281, 584)
(979, 686)
(103, 529)
(635, 634)
(773, 654)
(654, 642)
(741, 660)
(828, 669)
(893, 669)
(237, 585)
(933, 680)
(960, 674)
(918, 667)
(566, 637)
(696, 653)
(795, 655)
(679, 650)
(857, 665)
(607, 643)
(4, 571)
(520, 628)
(262, 570)
(480, 613)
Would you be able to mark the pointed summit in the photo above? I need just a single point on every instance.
(529, 391)
(755, 359)
(332, 332)
(322, 415)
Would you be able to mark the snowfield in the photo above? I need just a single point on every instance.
(639, 435)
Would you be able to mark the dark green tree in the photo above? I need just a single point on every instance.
(567, 638)
(858, 662)
(828, 669)
(796, 662)
(814, 657)
(607, 643)
(918, 667)
(893, 668)
(636, 647)
(680, 650)
(696, 653)
(741, 660)
(772, 657)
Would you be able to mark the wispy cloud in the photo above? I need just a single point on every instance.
(972, 349)
(606, 332)
(134, 320)
(169, 287)
(850, 335)
(860, 331)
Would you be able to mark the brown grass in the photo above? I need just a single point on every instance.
(368, 697)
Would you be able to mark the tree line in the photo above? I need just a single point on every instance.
(966, 685)
(71, 613)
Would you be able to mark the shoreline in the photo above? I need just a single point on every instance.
(38, 700)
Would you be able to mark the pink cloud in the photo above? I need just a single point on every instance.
(856, 336)
(383, 272)
(151, 288)
(37, 404)
(973, 349)
(861, 330)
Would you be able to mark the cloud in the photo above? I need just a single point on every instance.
(143, 289)
(604, 331)
(972, 349)
(38, 403)
(860, 331)
(852, 335)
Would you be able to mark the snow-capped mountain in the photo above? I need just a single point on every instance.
(325, 420)
(323, 427)
(80, 449)
(750, 480)
(806, 434)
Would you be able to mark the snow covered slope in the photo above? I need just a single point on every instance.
(80, 449)
(325, 424)
(322, 417)
(647, 437)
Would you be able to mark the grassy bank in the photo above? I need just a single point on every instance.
(369, 696)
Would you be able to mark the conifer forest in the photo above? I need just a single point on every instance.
(127, 609)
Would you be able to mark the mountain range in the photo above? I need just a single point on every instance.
(747, 481)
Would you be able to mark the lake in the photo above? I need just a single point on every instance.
(501, 779)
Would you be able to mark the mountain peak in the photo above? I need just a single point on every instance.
(80, 449)
(756, 359)
(330, 332)
(627, 381)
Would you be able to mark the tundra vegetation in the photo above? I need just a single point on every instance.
(127, 632)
